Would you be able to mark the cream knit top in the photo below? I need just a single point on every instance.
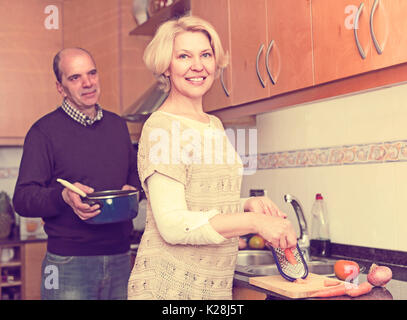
(200, 157)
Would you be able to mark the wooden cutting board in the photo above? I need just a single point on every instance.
(289, 289)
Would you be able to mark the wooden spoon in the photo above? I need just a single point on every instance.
(71, 187)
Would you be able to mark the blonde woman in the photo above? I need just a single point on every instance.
(192, 178)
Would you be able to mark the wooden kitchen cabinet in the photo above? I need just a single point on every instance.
(290, 59)
(10, 271)
(249, 42)
(31, 34)
(336, 52)
(220, 95)
(29, 40)
(33, 254)
(266, 40)
(389, 27)
(21, 275)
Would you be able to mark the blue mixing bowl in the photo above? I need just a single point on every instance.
(115, 205)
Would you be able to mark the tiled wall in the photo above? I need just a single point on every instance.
(351, 149)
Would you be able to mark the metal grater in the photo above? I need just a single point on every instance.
(289, 271)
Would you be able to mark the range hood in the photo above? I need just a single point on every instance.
(149, 102)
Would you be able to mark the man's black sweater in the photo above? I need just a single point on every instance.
(100, 156)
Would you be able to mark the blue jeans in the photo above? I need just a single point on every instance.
(85, 277)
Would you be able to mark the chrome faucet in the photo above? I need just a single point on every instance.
(303, 240)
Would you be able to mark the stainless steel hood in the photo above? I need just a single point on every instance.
(149, 102)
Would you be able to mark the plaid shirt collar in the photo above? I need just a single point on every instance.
(79, 116)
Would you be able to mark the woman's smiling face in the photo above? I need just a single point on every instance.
(192, 68)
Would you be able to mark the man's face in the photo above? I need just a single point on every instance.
(79, 80)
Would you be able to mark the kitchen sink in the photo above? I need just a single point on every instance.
(262, 263)
(254, 257)
(317, 267)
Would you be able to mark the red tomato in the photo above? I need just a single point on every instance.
(346, 270)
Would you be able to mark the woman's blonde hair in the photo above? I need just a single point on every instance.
(158, 54)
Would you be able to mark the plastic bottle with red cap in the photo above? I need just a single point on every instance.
(320, 236)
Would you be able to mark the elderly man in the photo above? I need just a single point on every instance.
(84, 144)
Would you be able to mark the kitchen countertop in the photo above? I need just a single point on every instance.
(18, 239)
(396, 289)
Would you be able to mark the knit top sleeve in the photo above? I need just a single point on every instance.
(177, 224)
(158, 151)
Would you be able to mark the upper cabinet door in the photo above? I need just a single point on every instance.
(342, 42)
(281, 46)
(31, 34)
(289, 54)
(217, 13)
(352, 37)
(388, 32)
(270, 45)
(248, 26)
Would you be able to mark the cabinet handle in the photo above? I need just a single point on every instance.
(355, 30)
(267, 62)
(376, 43)
(257, 65)
(223, 83)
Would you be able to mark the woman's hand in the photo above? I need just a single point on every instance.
(263, 205)
(83, 210)
(278, 231)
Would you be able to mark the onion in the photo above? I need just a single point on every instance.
(242, 243)
(379, 275)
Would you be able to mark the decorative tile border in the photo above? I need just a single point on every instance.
(392, 151)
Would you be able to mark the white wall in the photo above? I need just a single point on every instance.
(365, 199)
(10, 158)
